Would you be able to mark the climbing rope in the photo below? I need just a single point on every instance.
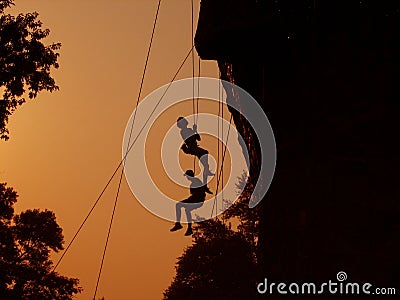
(218, 148)
(193, 85)
(218, 145)
(220, 174)
(119, 165)
(129, 140)
(223, 157)
(193, 71)
(130, 145)
(198, 90)
(123, 159)
(108, 235)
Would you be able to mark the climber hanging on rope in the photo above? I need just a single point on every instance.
(195, 200)
(190, 137)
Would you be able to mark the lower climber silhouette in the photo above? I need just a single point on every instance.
(195, 200)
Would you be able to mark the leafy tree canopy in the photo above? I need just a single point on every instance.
(25, 62)
(222, 261)
(219, 265)
(26, 241)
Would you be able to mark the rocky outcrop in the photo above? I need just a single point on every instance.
(326, 73)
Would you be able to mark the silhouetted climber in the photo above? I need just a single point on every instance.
(190, 137)
(195, 200)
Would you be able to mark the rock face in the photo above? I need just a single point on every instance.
(327, 75)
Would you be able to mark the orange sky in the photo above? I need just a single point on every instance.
(64, 146)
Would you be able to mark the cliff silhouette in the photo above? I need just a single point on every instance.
(326, 74)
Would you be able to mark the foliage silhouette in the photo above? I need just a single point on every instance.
(25, 62)
(27, 240)
(221, 263)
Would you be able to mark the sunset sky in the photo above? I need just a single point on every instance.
(64, 146)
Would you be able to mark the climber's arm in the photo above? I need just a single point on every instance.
(197, 136)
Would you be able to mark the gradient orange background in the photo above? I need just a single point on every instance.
(64, 146)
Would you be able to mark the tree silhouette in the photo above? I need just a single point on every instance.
(249, 219)
(26, 241)
(25, 62)
(219, 265)
(222, 262)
